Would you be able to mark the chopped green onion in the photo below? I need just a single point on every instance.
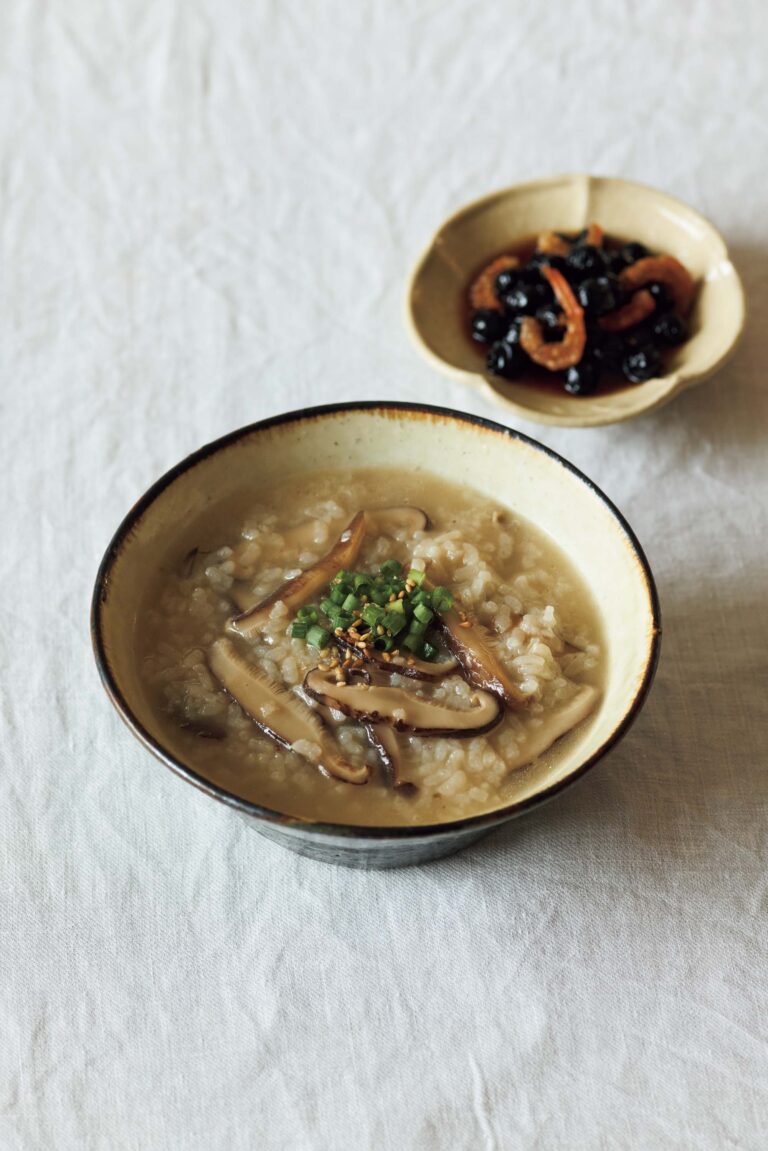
(417, 627)
(318, 636)
(377, 600)
(338, 617)
(442, 600)
(393, 622)
(372, 614)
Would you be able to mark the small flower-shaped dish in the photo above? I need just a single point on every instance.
(436, 298)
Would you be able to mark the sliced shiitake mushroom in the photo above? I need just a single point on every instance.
(384, 739)
(304, 587)
(387, 521)
(280, 713)
(557, 722)
(297, 591)
(296, 540)
(400, 665)
(403, 710)
(470, 643)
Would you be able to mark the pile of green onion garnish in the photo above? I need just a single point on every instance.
(387, 610)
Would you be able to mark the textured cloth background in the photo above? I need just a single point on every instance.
(207, 214)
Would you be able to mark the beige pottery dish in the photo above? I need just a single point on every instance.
(470, 238)
(505, 465)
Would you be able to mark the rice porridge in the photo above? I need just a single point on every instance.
(369, 647)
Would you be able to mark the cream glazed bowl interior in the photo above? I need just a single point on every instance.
(495, 461)
(470, 238)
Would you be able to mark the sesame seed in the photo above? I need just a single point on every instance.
(400, 594)
(338, 631)
(379, 630)
(466, 623)
(392, 598)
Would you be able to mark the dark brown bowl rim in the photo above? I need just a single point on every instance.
(359, 831)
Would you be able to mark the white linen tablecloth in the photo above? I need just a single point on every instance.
(208, 211)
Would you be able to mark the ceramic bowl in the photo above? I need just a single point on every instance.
(498, 463)
(480, 231)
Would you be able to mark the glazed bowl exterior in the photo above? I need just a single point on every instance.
(497, 462)
(435, 301)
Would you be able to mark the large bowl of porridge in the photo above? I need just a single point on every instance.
(377, 631)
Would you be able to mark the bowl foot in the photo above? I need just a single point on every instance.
(367, 854)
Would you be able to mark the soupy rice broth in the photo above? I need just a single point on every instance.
(370, 647)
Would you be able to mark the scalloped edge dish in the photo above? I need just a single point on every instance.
(480, 230)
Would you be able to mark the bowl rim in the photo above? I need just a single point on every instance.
(678, 380)
(488, 819)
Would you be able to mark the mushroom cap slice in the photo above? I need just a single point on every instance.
(280, 713)
(384, 739)
(297, 539)
(398, 665)
(470, 644)
(298, 591)
(557, 722)
(403, 710)
(387, 521)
